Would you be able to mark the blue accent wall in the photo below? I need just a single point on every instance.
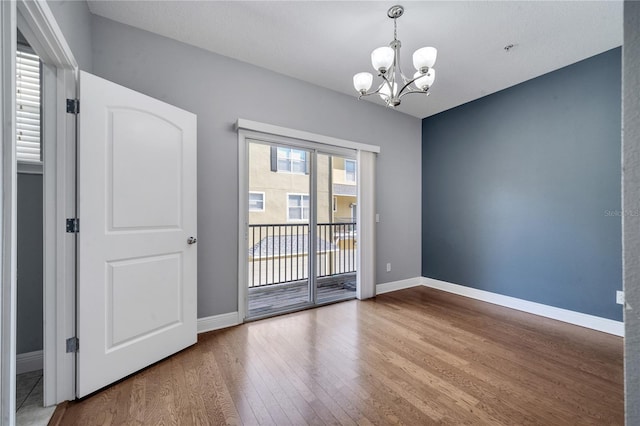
(521, 190)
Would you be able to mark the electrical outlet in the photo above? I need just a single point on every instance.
(388, 267)
(377, 217)
(620, 297)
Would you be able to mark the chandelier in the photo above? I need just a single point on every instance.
(386, 61)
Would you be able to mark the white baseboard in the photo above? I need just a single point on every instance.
(217, 322)
(29, 361)
(577, 318)
(398, 285)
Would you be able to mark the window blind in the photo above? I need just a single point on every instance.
(28, 107)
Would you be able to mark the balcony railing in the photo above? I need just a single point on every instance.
(279, 253)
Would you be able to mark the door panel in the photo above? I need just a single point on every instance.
(336, 230)
(137, 208)
(278, 232)
(130, 281)
(155, 201)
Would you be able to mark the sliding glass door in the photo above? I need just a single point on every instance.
(278, 232)
(336, 195)
(301, 234)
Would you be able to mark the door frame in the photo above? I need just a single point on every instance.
(8, 228)
(248, 130)
(38, 25)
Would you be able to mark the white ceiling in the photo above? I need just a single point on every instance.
(326, 42)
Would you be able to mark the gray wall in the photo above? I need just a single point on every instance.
(631, 201)
(220, 90)
(517, 185)
(29, 317)
(74, 19)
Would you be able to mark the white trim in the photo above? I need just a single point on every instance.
(243, 124)
(398, 285)
(29, 361)
(44, 35)
(8, 228)
(216, 322)
(243, 225)
(59, 248)
(577, 318)
(37, 23)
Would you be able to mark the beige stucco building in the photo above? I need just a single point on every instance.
(279, 186)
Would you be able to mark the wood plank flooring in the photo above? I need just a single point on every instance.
(415, 357)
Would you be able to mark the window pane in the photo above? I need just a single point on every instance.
(256, 201)
(292, 160)
(294, 213)
(296, 154)
(298, 167)
(283, 165)
(294, 201)
(350, 170)
(283, 152)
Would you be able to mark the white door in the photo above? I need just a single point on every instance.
(137, 211)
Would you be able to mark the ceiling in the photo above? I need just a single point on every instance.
(326, 42)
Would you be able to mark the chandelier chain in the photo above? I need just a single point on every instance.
(395, 29)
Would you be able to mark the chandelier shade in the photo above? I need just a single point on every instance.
(424, 80)
(386, 62)
(424, 57)
(382, 59)
(362, 81)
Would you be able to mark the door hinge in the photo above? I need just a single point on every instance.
(73, 344)
(73, 106)
(73, 225)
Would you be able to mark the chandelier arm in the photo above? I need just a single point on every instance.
(406, 87)
(396, 61)
(386, 98)
(387, 81)
(377, 91)
(362, 95)
(384, 81)
(409, 92)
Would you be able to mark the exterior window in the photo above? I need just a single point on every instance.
(28, 106)
(298, 207)
(256, 201)
(350, 170)
(292, 160)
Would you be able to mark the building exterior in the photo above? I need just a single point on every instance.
(279, 186)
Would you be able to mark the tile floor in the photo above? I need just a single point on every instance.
(29, 395)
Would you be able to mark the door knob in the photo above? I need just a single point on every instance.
(192, 240)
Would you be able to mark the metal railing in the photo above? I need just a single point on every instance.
(278, 253)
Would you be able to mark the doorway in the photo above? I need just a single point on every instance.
(301, 235)
(30, 217)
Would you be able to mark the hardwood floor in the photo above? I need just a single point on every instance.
(416, 357)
